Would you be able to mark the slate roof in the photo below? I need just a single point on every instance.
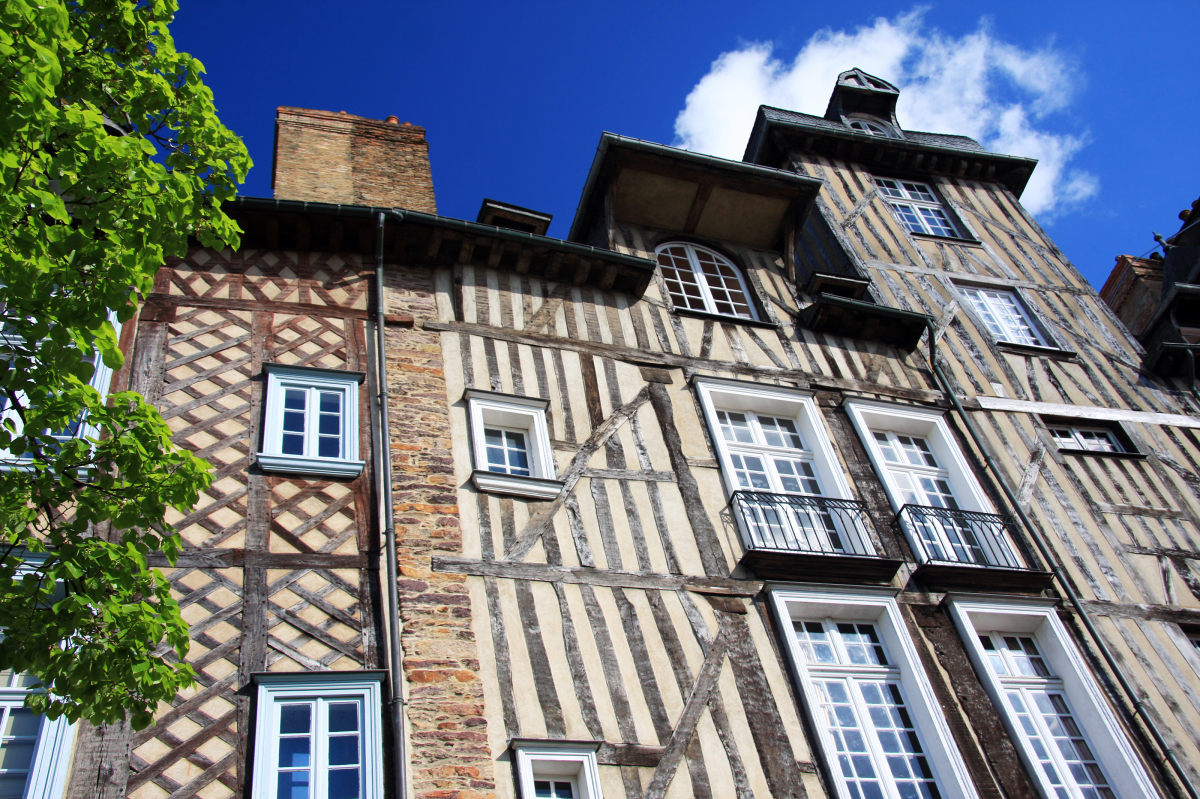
(942, 140)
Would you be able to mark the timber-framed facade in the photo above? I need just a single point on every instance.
(682, 506)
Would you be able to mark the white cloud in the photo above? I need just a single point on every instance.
(975, 85)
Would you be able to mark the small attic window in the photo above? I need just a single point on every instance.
(873, 127)
(513, 217)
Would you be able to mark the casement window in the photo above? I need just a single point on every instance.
(35, 752)
(917, 206)
(511, 443)
(699, 279)
(1085, 439)
(318, 736)
(311, 421)
(929, 483)
(1064, 730)
(1004, 316)
(872, 127)
(879, 727)
(556, 769)
(772, 446)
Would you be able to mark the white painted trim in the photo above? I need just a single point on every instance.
(516, 485)
(930, 424)
(1092, 711)
(51, 760)
(702, 279)
(527, 414)
(271, 457)
(273, 688)
(881, 608)
(577, 762)
(798, 405)
(1086, 412)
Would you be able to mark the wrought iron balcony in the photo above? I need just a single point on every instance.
(967, 549)
(792, 536)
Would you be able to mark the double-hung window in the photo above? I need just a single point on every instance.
(878, 724)
(511, 442)
(318, 736)
(698, 279)
(917, 206)
(311, 422)
(1068, 737)
(1004, 315)
(779, 467)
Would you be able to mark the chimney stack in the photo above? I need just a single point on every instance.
(321, 156)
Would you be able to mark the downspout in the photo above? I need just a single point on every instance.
(1057, 570)
(396, 652)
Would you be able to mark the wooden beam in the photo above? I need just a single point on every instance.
(703, 192)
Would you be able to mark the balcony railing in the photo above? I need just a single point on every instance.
(953, 537)
(804, 524)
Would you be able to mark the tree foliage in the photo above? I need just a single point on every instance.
(111, 156)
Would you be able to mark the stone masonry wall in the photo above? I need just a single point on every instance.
(322, 156)
(448, 743)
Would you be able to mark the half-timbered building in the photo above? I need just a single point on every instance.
(822, 473)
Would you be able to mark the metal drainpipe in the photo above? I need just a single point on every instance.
(396, 652)
(1056, 569)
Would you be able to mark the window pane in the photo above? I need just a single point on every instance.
(780, 432)
(506, 452)
(343, 717)
(13, 787)
(735, 427)
(750, 471)
(343, 750)
(294, 752)
(680, 280)
(329, 447)
(814, 642)
(21, 722)
(294, 399)
(344, 784)
(293, 785)
(849, 739)
(910, 217)
(938, 222)
(295, 719)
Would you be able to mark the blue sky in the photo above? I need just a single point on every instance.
(515, 96)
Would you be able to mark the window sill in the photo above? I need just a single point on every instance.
(315, 466)
(951, 239)
(1129, 456)
(720, 317)
(515, 485)
(1031, 349)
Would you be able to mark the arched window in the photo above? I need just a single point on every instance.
(701, 280)
(873, 128)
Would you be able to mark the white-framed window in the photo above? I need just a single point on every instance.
(1066, 733)
(311, 421)
(772, 444)
(549, 769)
(35, 752)
(1004, 315)
(699, 279)
(1087, 439)
(879, 727)
(918, 206)
(919, 463)
(318, 736)
(872, 127)
(511, 443)
(101, 381)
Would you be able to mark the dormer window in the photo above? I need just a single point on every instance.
(873, 127)
(698, 279)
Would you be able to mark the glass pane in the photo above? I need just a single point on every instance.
(293, 421)
(21, 722)
(344, 784)
(541, 788)
(293, 785)
(862, 644)
(814, 642)
(12, 786)
(294, 399)
(780, 432)
(562, 790)
(295, 719)
(735, 427)
(343, 717)
(329, 425)
(16, 755)
(293, 444)
(328, 447)
(294, 752)
(331, 402)
(343, 750)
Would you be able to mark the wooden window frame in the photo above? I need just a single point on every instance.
(281, 377)
(916, 203)
(880, 608)
(702, 282)
(273, 689)
(1038, 618)
(521, 414)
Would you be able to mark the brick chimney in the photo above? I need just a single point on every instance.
(321, 156)
(1133, 290)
